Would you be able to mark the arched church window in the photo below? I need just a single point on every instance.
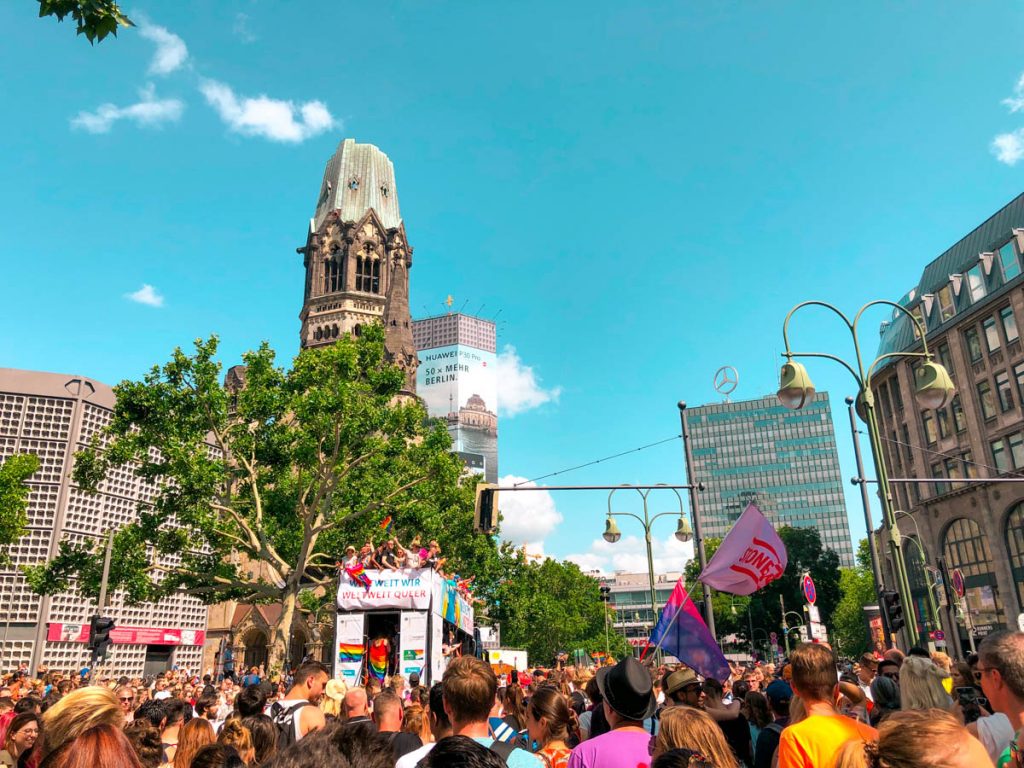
(367, 274)
(358, 330)
(334, 331)
(318, 334)
(332, 276)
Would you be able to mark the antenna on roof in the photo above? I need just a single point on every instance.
(477, 313)
(495, 318)
(463, 306)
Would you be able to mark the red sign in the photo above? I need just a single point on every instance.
(810, 593)
(957, 577)
(79, 633)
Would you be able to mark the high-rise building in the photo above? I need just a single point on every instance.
(457, 381)
(631, 603)
(968, 299)
(357, 257)
(53, 416)
(783, 461)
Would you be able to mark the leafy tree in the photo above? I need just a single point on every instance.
(857, 585)
(95, 18)
(261, 487)
(14, 498)
(805, 551)
(549, 607)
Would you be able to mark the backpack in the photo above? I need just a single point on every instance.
(502, 749)
(284, 719)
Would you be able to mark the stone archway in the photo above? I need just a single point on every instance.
(254, 643)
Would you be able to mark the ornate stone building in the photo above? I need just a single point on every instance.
(969, 299)
(357, 257)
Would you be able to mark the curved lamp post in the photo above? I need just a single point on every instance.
(612, 533)
(933, 389)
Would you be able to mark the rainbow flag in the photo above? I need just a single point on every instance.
(350, 653)
(358, 574)
(378, 661)
(385, 524)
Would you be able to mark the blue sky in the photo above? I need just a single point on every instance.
(642, 190)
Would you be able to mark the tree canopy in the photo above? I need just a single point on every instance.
(94, 18)
(857, 586)
(261, 487)
(14, 471)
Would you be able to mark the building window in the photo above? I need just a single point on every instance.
(973, 344)
(970, 468)
(943, 419)
(999, 455)
(918, 312)
(1018, 374)
(988, 406)
(1003, 391)
(928, 421)
(883, 398)
(1016, 441)
(946, 307)
(897, 397)
(975, 283)
(367, 274)
(959, 420)
(991, 334)
(332, 276)
(954, 471)
(940, 488)
(1015, 546)
(966, 547)
(945, 357)
(1009, 324)
(908, 447)
(1008, 260)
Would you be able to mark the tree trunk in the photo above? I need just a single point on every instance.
(280, 652)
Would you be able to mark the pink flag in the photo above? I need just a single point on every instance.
(749, 557)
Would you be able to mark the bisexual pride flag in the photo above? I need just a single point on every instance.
(682, 633)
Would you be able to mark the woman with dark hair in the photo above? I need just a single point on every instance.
(102, 745)
(755, 709)
(20, 738)
(145, 740)
(549, 721)
(592, 722)
(886, 697)
(682, 758)
(264, 737)
(217, 756)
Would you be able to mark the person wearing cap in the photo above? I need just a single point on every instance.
(779, 694)
(682, 689)
(413, 692)
(351, 558)
(628, 700)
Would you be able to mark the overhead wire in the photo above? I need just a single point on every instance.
(598, 461)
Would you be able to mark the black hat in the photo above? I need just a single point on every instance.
(414, 678)
(627, 689)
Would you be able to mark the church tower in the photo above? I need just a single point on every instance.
(357, 258)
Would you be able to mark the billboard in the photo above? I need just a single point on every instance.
(459, 383)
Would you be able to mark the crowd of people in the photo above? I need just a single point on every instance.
(391, 554)
(813, 711)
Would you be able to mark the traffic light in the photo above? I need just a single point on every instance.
(485, 517)
(606, 593)
(893, 610)
(99, 636)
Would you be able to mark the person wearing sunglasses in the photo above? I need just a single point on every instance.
(126, 699)
(1000, 668)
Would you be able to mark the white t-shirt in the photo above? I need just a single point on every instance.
(162, 695)
(288, 704)
(995, 733)
(409, 760)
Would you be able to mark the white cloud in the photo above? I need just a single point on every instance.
(1016, 102)
(518, 387)
(527, 517)
(242, 30)
(147, 295)
(171, 52)
(148, 111)
(270, 118)
(629, 554)
(1009, 147)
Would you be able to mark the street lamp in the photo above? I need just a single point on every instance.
(933, 389)
(612, 533)
(786, 629)
(932, 607)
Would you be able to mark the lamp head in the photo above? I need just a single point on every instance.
(611, 531)
(933, 388)
(795, 387)
(683, 532)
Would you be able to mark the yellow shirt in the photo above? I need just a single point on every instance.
(816, 741)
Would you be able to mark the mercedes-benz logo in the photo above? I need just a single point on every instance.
(727, 379)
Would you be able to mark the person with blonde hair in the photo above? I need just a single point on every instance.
(693, 729)
(234, 734)
(911, 739)
(921, 685)
(192, 737)
(79, 711)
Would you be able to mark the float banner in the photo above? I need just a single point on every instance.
(348, 648)
(412, 648)
(455, 608)
(79, 633)
(408, 588)
(438, 662)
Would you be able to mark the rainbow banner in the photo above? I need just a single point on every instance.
(349, 653)
(385, 524)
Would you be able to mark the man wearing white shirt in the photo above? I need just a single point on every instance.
(440, 727)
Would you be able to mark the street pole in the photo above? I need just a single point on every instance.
(785, 626)
(750, 626)
(876, 568)
(106, 571)
(698, 535)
